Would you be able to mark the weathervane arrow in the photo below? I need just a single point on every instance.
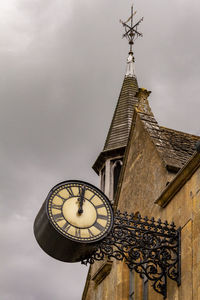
(131, 32)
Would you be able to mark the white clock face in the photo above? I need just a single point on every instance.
(80, 211)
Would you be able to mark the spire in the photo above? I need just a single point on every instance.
(122, 119)
(119, 130)
(121, 123)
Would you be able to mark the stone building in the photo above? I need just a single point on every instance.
(155, 171)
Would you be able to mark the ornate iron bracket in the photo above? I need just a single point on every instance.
(150, 247)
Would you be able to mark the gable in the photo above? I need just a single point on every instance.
(144, 174)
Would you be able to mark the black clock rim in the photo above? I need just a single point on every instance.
(92, 186)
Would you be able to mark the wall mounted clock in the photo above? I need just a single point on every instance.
(73, 219)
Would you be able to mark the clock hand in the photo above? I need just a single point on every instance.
(81, 199)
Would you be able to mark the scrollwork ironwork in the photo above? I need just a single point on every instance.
(150, 247)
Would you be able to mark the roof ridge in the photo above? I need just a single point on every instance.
(186, 133)
(161, 142)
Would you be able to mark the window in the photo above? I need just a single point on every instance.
(103, 177)
(116, 168)
(131, 285)
(110, 176)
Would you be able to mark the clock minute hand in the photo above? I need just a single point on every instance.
(81, 199)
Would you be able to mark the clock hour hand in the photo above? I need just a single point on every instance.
(81, 199)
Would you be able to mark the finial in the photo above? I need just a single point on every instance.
(130, 66)
(143, 104)
(131, 32)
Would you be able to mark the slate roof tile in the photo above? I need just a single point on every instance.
(184, 144)
(175, 147)
(121, 122)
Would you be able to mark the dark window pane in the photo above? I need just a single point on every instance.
(103, 175)
(116, 174)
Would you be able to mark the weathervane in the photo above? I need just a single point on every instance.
(131, 32)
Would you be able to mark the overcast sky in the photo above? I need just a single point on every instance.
(62, 64)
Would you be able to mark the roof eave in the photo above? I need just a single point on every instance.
(178, 182)
(106, 154)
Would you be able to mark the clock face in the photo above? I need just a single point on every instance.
(79, 211)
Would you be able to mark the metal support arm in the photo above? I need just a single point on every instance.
(150, 247)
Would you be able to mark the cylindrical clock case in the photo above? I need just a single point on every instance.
(74, 218)
(55, 244)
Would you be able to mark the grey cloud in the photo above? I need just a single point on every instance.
(62, 66)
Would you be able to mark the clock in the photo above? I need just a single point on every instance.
(73, 219)
(79, 211)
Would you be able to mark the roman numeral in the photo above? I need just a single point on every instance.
(78, 232)
(102, 217)
(69, 189)
(66, 226)
(58, 217)
(100, 206)
(98, 226)
(56, 206)
(92, 197)
(90, 233)
(80, 189)
(63, 199)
